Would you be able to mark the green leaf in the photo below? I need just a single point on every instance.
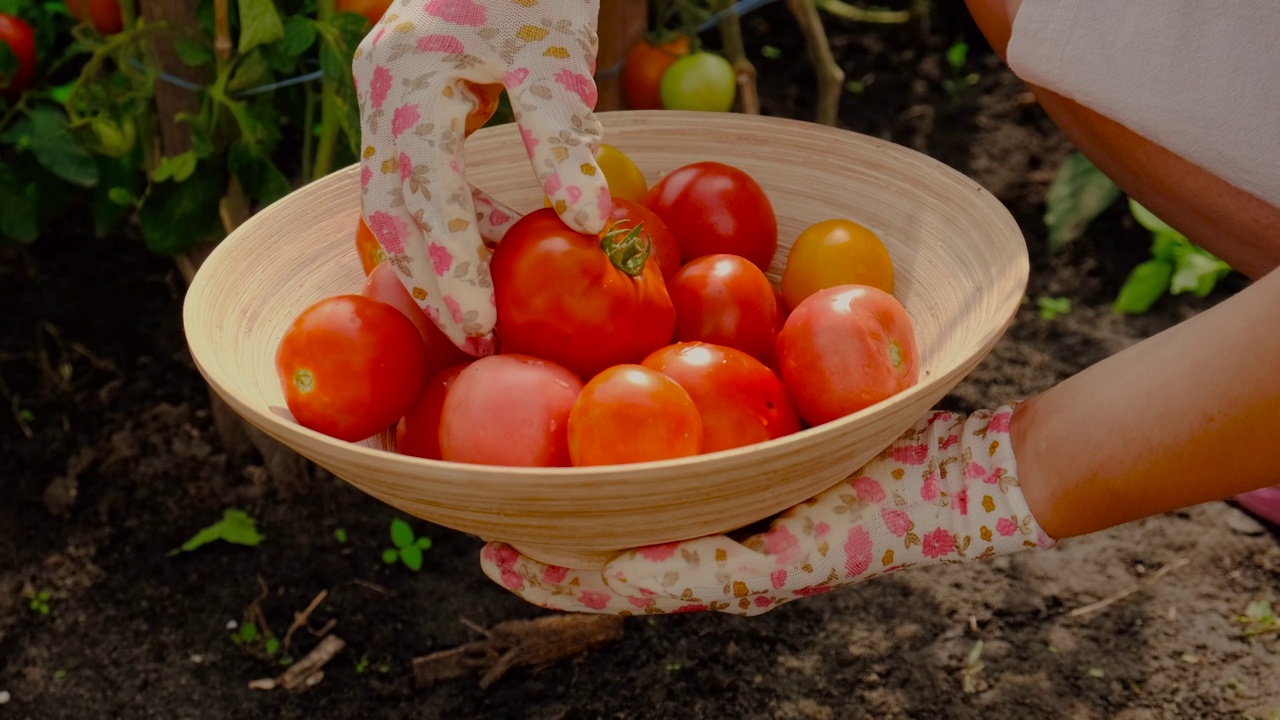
(412, 557)
(1079, 193)
(261, 179)
(1147, 219)
(390, 555)
(1146, 284)
(248, 632)
(252, 71)
(401, 533)
(340, 535)
(299, 36)
(422, 543)
(54, 147)
(20, 220)
(259, 24)
(272, 645)
(193, 53)
(235, 527)
(177, 168)
(1051, 308)
(1168, 244)
(179, 216)
(120, 196)
(113, 197)
(1196, 271)
(957, 54)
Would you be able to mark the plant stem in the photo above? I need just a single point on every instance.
(222, 30)
(20, 106)
(839, 8)
(328, 110)
(735, 51)
(128, 13)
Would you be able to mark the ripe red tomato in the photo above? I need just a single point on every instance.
(665, 251)
(844, 349)
(585, 302)
(644, 68)
(21, 39)
(367, 247)
(726, 300)
(716, 208)
(350, 366)
(741, 401)
(418, 432)
(103, 15)
(385, 286)
(510, 410)
(630, 413)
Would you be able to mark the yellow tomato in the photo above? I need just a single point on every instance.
(624, 178)
(835, 252)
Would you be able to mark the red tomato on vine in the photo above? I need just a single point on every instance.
(21, 39)
(644, 68)
(582, 301)
(103, 15)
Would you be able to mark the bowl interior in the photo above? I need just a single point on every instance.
(961, 269)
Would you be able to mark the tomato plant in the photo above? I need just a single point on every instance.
(645, 65)
(630, 413)
(103, 15)
(663, 248)
(585, 302)
(835, 252)
(725, 299)
(739, 399)
(418, 432)
(844, 349)
(701, 81)
(350, 366)
(384, 285)
(715, 208)
(510, 410)
(371, 10)
(18, 58)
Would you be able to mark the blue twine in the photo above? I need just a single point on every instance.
(739, 9)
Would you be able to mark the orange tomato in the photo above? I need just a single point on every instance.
(835, 252)
(486, 99)
(103, 15)
(644, 68)
(371, 253)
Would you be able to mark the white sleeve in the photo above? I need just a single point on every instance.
(1199, 78)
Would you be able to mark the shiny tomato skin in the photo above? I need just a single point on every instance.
(700, 81)
(642, 73)
(21, 39)
(725, 300)
(509, 410)
(418, 432)
(560, 297)
(715, 208)
(384, 285)
(844, 349)
(665, 251)
(740, 400)
(622, 174)
(350, 366)
(103, 15)
(628, 414)
(835, 252)
(368, 248)
(486, 97)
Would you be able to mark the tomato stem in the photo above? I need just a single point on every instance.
(629, 253)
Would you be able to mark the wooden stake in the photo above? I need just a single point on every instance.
(622, 25)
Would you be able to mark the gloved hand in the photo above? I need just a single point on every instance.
(946, 491)
(412, 75)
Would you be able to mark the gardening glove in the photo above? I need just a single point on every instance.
(416, 75)
(945, 491)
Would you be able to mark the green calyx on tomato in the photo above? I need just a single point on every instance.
(631, 252)
(304, 380)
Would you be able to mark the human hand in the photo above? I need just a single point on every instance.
(418, 74)
(946, 491)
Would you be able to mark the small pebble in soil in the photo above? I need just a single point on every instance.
(4, 696)
(232, 624)
(197, 659)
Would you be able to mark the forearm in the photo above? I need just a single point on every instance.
(1184, 417)
(1230, 223)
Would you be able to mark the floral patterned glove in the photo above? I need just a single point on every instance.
(415, 74)
(946, 491)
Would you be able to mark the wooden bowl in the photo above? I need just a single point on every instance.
(961, 268)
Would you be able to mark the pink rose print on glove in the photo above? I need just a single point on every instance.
(552, 184)
(405, 117)
(973, 470)
(555, 574)
(379, 86)
(406, 167)
(911, 454)
(657, 553)
(999, 423)
(782, 545)
(896, 521)
(778, 578)
(594, 599)
(960, 503)
(948, 442)
(821, 529)
(441, 259)
(938, 543)
(390, 231)
(365, 176)
(1006, 527)
(580, 85)
(505, 558)
(530, 142)
(446, 44)
(868, 490)
(455, 310)
(857, 551)
(497, 218)
(515, 78)
(604, 201)
(458, 12)
(929, 491)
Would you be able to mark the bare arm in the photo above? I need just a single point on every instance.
(1189, 415)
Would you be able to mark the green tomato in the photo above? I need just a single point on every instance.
(699, 81)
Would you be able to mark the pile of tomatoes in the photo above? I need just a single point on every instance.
(660, 337)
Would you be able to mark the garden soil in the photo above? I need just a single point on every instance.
(111, 459)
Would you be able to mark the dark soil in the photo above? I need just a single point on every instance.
(101, 397)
